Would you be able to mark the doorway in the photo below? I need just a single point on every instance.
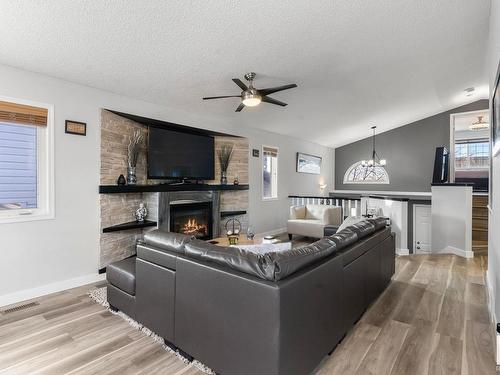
(422, 228)
(470, 148)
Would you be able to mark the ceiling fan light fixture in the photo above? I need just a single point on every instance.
(250, 99)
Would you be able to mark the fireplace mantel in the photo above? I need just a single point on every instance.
(116, 189)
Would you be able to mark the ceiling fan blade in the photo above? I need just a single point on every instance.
(269, 100)
(276, 89)
(240, 107)
(221, 97)
(240, 84)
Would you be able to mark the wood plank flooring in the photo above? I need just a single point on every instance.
(432, 319)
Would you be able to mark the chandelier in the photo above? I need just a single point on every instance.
(375, 160)
(480, 124)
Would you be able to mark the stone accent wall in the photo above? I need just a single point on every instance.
(119, 208)
(115, 136)
(238, 167)
(116, 209)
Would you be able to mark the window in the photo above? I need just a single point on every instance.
(26, 187)
(360, 174)
(472, 154)
(269, 172)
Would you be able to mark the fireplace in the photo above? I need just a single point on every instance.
(193, 218)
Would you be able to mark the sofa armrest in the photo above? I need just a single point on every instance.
(330, 230)
(297, 212)
(332, 215)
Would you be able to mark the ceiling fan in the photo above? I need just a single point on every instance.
(251, 97)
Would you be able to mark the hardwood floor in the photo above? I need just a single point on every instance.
(432, 319)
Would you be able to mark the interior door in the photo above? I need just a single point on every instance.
(422, 228)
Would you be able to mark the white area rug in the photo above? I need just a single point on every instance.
(99, 295)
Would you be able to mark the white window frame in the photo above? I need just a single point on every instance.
(268, 199)
(45, 171)
(468, 142)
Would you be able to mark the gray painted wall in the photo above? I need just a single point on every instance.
(409, 151)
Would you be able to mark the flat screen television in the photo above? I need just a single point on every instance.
(175, 155)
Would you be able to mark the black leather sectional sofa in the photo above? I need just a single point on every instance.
(243, 313)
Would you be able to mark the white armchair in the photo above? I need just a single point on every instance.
(310, 220)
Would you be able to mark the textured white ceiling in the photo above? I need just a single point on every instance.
(357, 62)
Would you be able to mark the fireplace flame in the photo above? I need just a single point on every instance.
(193, 227)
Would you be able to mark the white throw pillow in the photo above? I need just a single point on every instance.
(350, 221)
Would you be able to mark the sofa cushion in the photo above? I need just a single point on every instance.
(167, 240)
(315, 211)
(344, 238)
(272, 266)
(289, 262)
(379, 222)
(297, 212)
(238, 259)
(121, 274)
(363, 229)
(310, 228)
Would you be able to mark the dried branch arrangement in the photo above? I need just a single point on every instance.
(224, 154)
(133, 148)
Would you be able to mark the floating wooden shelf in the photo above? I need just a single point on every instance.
(231, 213)
(116, 189)
(129, 225)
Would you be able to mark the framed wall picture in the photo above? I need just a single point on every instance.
(75, 127)
(308, 163)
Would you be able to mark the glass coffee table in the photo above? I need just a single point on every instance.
(258, 244)
(258, 239)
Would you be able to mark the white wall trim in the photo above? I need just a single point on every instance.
(402, 252)
(22, 295)
(455, 250)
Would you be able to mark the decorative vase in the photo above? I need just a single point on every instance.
(223, 178)
(121, 180)
(141, 213)
(250, 233)
(131, 176)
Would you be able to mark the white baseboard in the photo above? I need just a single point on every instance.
(274, 231)
(402, 252)
(23, 295)
(457, 251)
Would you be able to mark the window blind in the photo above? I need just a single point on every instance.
(22, 114)
(18, 166)
(269, 151)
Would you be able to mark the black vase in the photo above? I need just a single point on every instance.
(121, 180)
